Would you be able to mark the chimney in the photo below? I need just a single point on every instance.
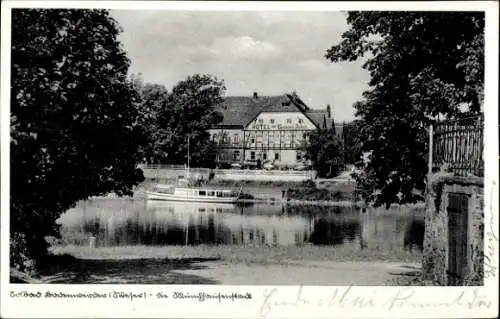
(255, 95)
(329, 110)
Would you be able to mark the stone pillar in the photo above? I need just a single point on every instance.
(436, 245)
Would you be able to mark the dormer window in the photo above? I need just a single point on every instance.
(272, 121)
(261, 121)
(300, 121)
(289, 121)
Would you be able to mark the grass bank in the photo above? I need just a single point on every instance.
(265, 184)
(308, 191)
(302, 191)
(241, 253)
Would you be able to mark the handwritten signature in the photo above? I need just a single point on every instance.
(347, 298)
(490, 266)
(339, 298)
(403, 299)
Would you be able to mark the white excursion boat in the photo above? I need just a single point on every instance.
(166, 192)
(187, 194)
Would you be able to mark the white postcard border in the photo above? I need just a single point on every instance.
(267, 301)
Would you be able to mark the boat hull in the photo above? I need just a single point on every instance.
(176, 198)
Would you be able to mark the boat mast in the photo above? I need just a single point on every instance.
(187, 232)
(188, 160)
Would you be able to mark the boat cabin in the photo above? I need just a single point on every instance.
(197, 192)
(214, 193)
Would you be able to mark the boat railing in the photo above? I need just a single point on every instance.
(167, 189)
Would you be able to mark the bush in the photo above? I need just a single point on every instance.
(312, 194)
(19, 255)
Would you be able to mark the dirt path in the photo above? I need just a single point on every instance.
(304, 272)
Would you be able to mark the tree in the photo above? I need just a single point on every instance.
(153, 101)
(188, 114)
(352, 140)
(74, 121)
(423, 66)
(324, 149)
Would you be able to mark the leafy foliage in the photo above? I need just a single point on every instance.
(153, 101)
(186, 112)
(74, 120)
(423, 66)
(324, 149)
(352, 140)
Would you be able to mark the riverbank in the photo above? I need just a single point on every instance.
(230, 265)
(306, 193)
(246, 254)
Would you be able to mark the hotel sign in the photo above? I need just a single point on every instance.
(278, 127)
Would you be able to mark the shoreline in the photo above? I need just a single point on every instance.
(333, 193)
(233, 265)
(288, 202)
(249, 254)
(175, 265)
(293, 193)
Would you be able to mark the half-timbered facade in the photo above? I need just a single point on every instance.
(256, 130)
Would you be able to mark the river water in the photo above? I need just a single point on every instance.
(124, 222)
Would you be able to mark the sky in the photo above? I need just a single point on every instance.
(268, 52)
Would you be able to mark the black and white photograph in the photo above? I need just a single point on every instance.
(236, 147)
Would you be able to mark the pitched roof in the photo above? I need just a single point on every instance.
(320, 118)
(238, 111)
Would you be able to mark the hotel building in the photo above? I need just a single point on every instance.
(257, 129)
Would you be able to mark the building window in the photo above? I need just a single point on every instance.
(261, 121)
(252, 156)
(272, 121)
(264, 156)
(236, 155)
(235, 138)
(277, 156)
(252, 140)
(288, 121)
(299, 156)
(300, 121)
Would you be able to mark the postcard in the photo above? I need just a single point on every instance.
(249, 159)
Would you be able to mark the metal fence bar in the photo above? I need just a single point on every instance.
(458, 145)
(431, 147)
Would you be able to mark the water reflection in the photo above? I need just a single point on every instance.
(329, 232)
(120, 222)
